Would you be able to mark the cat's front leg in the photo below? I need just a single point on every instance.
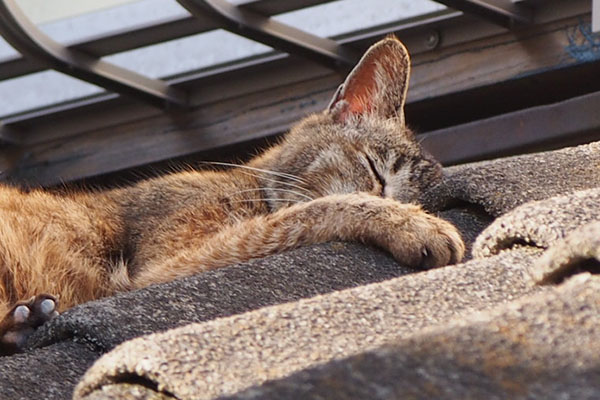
(412, 236)
(23, 319)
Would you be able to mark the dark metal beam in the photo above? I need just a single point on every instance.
(275, 34)
(572, 121)
(502, 12)
(24, 36)
(274, 7)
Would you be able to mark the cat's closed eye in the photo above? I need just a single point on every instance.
(379, 178)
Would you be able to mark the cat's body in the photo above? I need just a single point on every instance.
(339, 175)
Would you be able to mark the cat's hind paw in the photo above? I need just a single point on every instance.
(23, 319)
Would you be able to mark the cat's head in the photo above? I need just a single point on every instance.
(361, 142)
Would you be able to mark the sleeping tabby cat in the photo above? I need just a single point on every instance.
(348, 173)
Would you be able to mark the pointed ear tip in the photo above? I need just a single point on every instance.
(391, 37)
(395, 43)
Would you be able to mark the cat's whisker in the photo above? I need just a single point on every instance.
(268, 199)
(276, 181)
(280, 174)
(275, 190)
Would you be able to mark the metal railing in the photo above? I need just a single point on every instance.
(250, 19)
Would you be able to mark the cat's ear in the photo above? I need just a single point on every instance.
(377, 85)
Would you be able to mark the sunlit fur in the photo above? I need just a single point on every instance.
(330, 158)
(345, 174)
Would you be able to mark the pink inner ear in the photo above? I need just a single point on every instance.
(361, 89)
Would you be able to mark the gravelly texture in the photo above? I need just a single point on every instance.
(544, 346)
(503, 184)
(48, 373)
(124, 391)
(540, 223)
(103, 324)
(580, 251)
(281, 278)
(470, 221)
(219, 357)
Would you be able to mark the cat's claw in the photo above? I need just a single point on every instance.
(23, 319)
(427, 261)
(444, 246)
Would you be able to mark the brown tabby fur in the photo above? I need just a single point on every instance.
(344, 174)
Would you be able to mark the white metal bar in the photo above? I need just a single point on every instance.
(596, 16)
(502, 12)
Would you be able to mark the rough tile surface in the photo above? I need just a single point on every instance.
(103, 324)
(258, 283)
(500, 185)
(48, 373)
(540, 223)
(203, 361)
(544, 346)
(580, 251)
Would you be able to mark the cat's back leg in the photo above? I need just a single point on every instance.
(50, 247)
(40, 256)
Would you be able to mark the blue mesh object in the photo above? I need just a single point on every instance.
(584, 46)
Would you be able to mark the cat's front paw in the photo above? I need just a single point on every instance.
(440, 242)
(421, 240)
(23, 319)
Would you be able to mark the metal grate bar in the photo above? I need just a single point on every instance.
(159, 32)
(518, 132)
(282, 37)
(273, 7)
(25, 37)
(502, 12)
(596, 16)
